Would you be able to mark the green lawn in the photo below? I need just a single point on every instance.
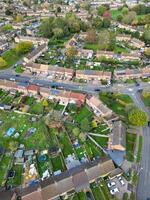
(44, 165)
(19, 69)
(91, 149)
(131, 141)
(94, 47)
(57, 163)
(97, 192)
(83, 113)
(82, 196)
(22, 124)
(102, 141)
(37, 108)
(4, 165)
(116, 102)
(115, 13)
(11, 57)
(146, 98)
(139, 149)
(18, 175)
(65, 144)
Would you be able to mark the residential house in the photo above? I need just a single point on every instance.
(51, 71)
(132, 73)
(130, 56)
(137, 43)
(70, 181)
(91, 75)
(33, 90)
(8, 85)
(117, 138)
(106, 54)
(34, 40)
(31, 57)
(123, 38)
(3, 46)
(85, 53)
(98, 106)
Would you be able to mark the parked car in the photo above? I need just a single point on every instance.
(114, 191)
(122, 182)
(148, 123)
(110, 184)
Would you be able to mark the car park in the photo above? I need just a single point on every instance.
(110, 184)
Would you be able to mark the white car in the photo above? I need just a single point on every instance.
(110, 184)
(114, 191)
(122, 182)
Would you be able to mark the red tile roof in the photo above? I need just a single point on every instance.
(33, 88)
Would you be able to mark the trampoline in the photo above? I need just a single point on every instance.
(42, 158)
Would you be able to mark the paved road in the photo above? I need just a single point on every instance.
(143, 190)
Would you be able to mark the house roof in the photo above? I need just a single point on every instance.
(33, 88)
(80, 181)
(118, 135)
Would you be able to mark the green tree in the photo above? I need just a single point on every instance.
(82, 137)
(97, 22)
(76, 131)
(147, 52)
(58, 33)
(129, 17)
(23, 47)
(13, 145)
(146, 34)
(71, 52)
(137, 117)
(101, 10)
(19, 18)
(85, 125)
(91, 36)
(3, 63)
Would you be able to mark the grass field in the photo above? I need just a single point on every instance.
(57, 163)
(94, 47)
(130, 140)
(83, 113)
(22, 124)
(4, 165)
(11, 57)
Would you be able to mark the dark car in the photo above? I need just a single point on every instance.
(97, 90)
(148, 123)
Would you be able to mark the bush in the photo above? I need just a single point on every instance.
(23, 47)
(3, 63)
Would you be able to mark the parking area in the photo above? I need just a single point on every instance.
(118, 186)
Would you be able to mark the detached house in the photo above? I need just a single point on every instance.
(98, 107)
(34, 40)
(117, 138)
(106, 54)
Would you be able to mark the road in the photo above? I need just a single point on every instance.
(143, 190)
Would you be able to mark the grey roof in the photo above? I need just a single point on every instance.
(118, 136)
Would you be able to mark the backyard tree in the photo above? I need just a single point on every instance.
(13, 145)
(137, 117)
(45, 103)
(91, 37)
(76, 131)
(97, 22)
(146, 34)
(147, 52)
(82, 137)
(58, 33)
(23, 47)
(71, 52)
(106, 40)
(129, 17)
(19, 18)
(85, 125)
(101, 10)
(3, 63)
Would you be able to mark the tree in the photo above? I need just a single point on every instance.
(147, 52)
(107, 14)
(45, 103)
(3, 63)
(91, 36)
(85, 125)
(124, 10)
(82, 137)
(146, 34)
(13, 145)
(23, 47)
(106, 40)
(71, 52)
(94, 124)
(97, 22)
(129, 17)
(137, 117)
(101, 10)
(119, 18)
(19, 18)
(76, 131)
(106, 23)
(58, 33)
